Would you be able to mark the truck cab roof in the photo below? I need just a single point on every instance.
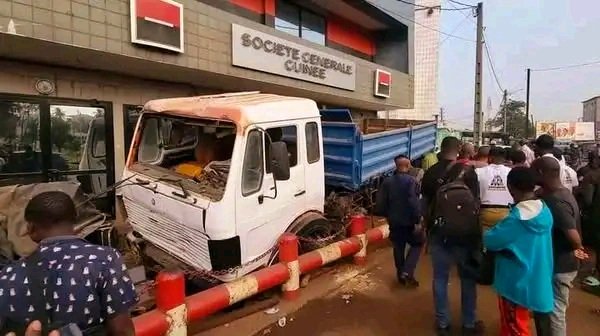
(243, 109)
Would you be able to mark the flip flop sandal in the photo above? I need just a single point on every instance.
(591, 281)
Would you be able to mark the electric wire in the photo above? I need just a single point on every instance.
(570, 66)
(422, 25)
(491, 63)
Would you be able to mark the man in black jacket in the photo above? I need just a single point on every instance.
(398, 201)
(445, 253)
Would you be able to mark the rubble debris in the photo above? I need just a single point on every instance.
(272, 311)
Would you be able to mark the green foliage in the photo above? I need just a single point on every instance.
(515, 119)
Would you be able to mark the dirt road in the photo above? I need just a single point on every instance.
(371, 304)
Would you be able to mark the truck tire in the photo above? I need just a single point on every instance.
(315, 231)
(310, 228)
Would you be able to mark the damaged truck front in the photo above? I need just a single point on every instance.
(197, 175)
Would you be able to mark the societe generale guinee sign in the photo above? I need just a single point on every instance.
(256, 50)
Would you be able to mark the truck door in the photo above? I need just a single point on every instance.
(314, 167)
(264, 214)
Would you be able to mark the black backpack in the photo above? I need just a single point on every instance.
(456, 211)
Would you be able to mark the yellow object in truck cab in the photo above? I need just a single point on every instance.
(192, 169)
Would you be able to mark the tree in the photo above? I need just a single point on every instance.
(515, 119)
(61, 130)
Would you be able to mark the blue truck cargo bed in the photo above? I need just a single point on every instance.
(352, 158)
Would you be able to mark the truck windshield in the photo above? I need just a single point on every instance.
(194, 154)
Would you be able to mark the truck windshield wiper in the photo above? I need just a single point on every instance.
(184, 193)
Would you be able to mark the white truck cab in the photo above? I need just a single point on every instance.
(213, 181)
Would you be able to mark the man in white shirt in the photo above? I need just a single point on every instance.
(529, 154)
(493, 190)
(545, 148)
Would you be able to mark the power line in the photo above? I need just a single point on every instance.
(461, 3)
(423, 7)
(422, 25)
(454, 29)
(491, 62)
(567, 66)
(470, 17)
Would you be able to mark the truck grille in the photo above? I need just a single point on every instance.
(183, 242)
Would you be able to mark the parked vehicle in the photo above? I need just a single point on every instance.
(272, 158)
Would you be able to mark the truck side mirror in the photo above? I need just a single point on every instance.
(280, 161)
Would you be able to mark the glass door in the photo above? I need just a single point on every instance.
(20, 151)
(78, 137)
(44, 139)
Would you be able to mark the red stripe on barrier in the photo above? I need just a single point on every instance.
(207, 302)
(374, 235)
(151, 323)
(349, 246)
(310, 261)
(271, 276)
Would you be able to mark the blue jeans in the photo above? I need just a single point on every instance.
(562, 282)
(443, 256)
(406, 263)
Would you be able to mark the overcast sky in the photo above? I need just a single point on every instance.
(521, 34)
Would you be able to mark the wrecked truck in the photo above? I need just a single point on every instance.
(213, 181)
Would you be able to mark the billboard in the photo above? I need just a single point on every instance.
(545, 128)
(566, 131)
(584, 131)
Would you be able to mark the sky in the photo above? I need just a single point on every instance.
(522, 34)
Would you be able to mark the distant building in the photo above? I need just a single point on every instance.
(591, 113)
(426, 64)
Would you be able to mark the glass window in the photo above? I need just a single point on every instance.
(77, 136)
(287, 18)
(98, 142)
(287, 134)
(312, 142)
(19, 137)
(131, 113)
(150, 143)
(313, 27)
(252, 173)
(299, 22)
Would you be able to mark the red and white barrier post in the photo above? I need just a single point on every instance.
(288, 255)
(358, 229)
(170, 299)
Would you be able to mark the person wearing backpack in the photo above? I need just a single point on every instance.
(451, 192)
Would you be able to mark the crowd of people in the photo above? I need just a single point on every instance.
(523, 213)
(515, 218)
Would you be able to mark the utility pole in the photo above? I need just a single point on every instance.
(504, 101)
(478, 115)
(527, 104)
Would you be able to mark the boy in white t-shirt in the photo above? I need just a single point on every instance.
(493, 189)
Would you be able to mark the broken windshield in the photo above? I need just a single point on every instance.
(195, 152)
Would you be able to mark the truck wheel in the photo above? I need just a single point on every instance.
(318, 233)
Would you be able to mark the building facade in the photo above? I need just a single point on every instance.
(591, 113)
(75, 69)
(426, 39)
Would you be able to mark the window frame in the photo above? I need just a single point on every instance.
(258, 188)
(94, 141)
(318, 148)
(300, 10)
(268, 164)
